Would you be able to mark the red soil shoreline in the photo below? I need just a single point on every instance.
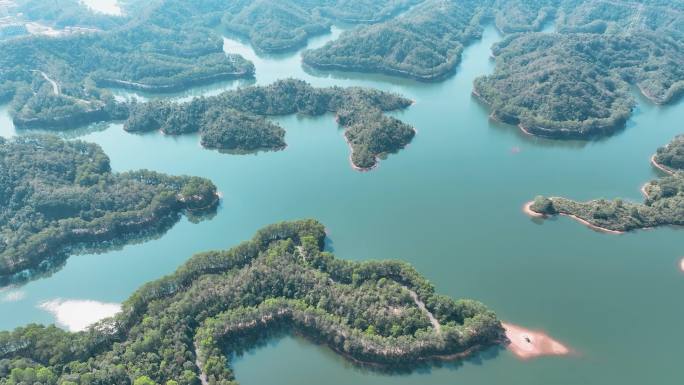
(661, 167)
(524, 130)
(591, 225)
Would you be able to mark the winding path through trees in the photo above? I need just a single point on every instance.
(421, 306)
(55, 86)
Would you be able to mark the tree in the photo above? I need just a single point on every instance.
(143, 380)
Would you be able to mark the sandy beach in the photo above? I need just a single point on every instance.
(681, 265)
(527, 210)
(527, 344)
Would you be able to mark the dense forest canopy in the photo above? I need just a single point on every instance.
(57, 196)
(58, 82)
(183, 328)
(672, 155)
(424, 43)
(274, 26)
(663, 202)
(155, 51)
(576, 83)
(572, 84)
(235, 120)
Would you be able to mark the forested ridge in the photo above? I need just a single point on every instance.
(187, 325)
(58, 196)
(236, 120)
(663, 203)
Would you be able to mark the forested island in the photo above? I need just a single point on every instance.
(572, 84)
(564, 86)
(58, 197)
(235, 120)
(663, 202)
(424, 43)
(184, 328)
(576, 84)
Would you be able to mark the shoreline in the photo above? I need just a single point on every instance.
(524, 130)
(661, 167)
(376, 157)
(212, 204)
(681, 265)
(543, 132)
(527, 210)
(173, 87)
(527, 344)
(592, 226)
(351, 151)
(435, 357)
(383, 70)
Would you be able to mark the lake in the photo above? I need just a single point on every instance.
(450, 204)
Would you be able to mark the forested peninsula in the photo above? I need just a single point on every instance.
(236, 120)
(184, 328)
(58, 197)
(663, 200)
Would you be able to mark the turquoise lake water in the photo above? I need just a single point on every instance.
(450, 204)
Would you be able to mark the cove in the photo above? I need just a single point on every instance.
(450, 204)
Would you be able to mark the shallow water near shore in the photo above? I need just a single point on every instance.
(450, 204)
